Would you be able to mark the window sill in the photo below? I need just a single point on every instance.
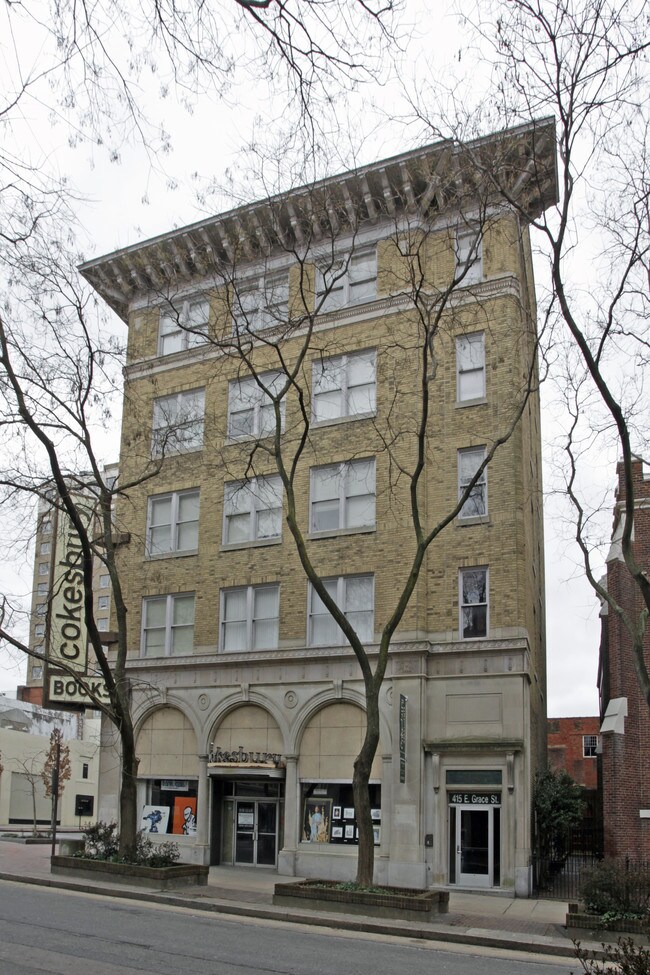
(171, 555)
(177, 453)
(338, 532)
(475, 520)
(231, 441)
(254, 543)
(461, 404)
(348, 418)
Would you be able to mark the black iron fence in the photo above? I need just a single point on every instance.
(557, 869)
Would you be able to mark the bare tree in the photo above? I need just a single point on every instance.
(587, 65)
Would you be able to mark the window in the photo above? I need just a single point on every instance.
(350, 280)
(104, 581)
(183, 325)
(37, 673)
(168, 625)
(252, 510)
(470, 365)
(178, 422)
(473, 603)
(102, 602)
(84, 770)
(42, 589)
(45, 548)
(343, 496)
(589, 746)
(250, 618)
(344, 385)
(39, 630)
(43, 568)
(469, 256)
(41, 609)
(102, 626)
(250, 407)
(261, 306)
(355, 596)
(46, 526)
(173, 523)
(469, 461)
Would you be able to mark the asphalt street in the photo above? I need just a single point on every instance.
(65, 933)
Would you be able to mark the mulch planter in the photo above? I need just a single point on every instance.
(593, 922)
(156, 878)
(405, 903)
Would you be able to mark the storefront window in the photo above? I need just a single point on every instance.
(171, 807)
(328, 813)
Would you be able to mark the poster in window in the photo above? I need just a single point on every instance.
(376, 832)
(184, 816)
(375, 813)
(349, 831)
(154, 819)
(336, 812)
(348, 812)
(317, 820)
(337, 832)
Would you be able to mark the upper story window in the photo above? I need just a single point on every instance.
(183, 325)
(104, 581)
(250, 618)
(102, 625)
(343, 496)
(46, 525)
(252, 510)
(178, 422)
(470, 366)
(344, 385)
(167, 625)
(469, 461)
(43, 568)
(473, 603)
(45, 548)
(102, 602)
(37, 673)
(355, 596)
(469, 256)
(41, 609)
(42, 588)
(250, 408)
(39, 630)
(348, 280)
(264, 304)
(173, 523)
(589, 746)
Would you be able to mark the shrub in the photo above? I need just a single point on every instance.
(617, 888)
(101, 843)
(623, 958)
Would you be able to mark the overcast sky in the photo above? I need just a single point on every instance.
(139, 196)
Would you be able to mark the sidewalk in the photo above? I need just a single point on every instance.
(473, 919)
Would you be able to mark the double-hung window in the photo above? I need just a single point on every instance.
(173, 523)
(45, 548)
(348, 280)
(178, 422)
(343, 496)
(43, 568)
(167, 625)
(252, 510)
(250, 618)
(355, 596)
(39, 631)
(262, 305)
(473, 603)
(251, 413)
(469, 461)
(344, 385)
(470, 366)
(589, 746)
(183, 325)
(469, 257)
(102, 602)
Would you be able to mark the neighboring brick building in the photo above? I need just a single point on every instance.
(625, 729)
(573, 746)
(247, 701)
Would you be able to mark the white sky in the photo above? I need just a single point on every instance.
(132, 199)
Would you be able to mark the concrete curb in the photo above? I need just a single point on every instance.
(481, 938)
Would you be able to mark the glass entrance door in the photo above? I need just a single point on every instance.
(256, 832)
(474, 846)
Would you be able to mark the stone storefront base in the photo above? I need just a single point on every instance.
(407, 904)
(156, 878)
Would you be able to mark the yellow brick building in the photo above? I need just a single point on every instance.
(334, 312)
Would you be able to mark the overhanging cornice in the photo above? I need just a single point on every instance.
(517, 164)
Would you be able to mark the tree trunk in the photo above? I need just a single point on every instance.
(35, 826)
(360, 780)
(128, 797)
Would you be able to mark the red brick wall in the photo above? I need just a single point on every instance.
(626, 758)
(565, 748)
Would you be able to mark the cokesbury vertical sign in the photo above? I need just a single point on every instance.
(402, 737)
(68, 635)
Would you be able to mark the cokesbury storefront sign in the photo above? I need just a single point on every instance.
(220, 758)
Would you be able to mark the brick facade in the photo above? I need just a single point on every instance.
(626, 756)
(566, 749)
